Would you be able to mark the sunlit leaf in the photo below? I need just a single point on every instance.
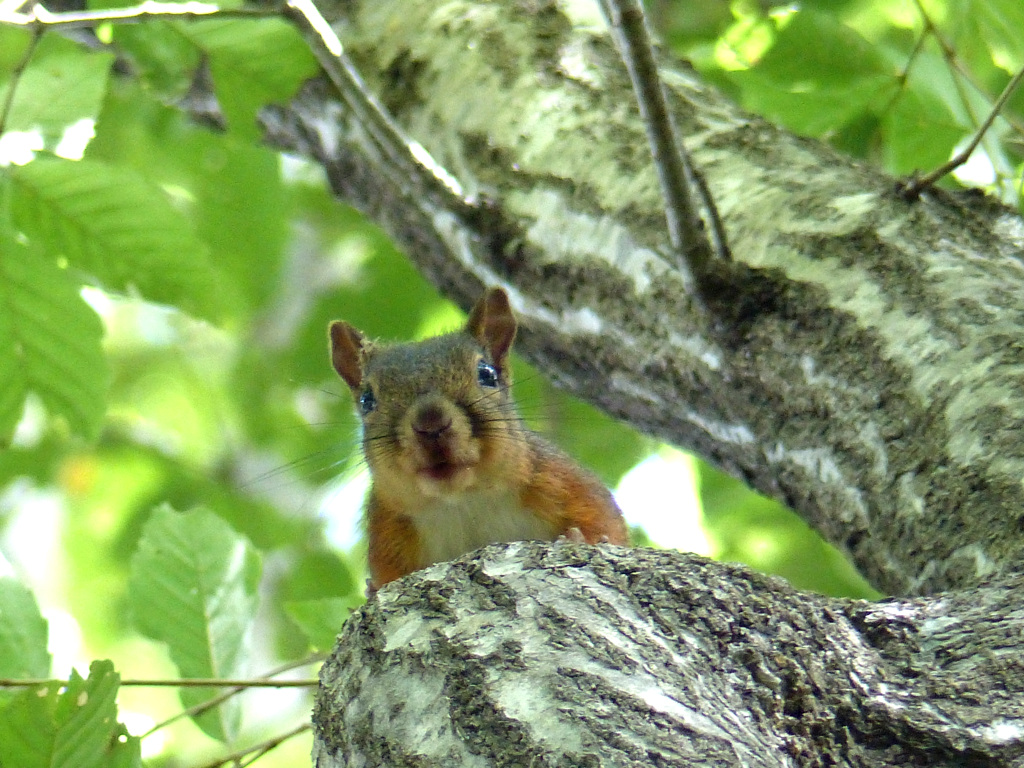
(14, 43)
(62, 83)
(1001, 23)
(818, 75)
(73, 727)
(49, 342)
(165, 60)
(113, 225)
(814, 112)
(253, 63)
(240, 196)
(233, 192)
(193, 585)
(921, 133)
(23, 633)
(817, 48)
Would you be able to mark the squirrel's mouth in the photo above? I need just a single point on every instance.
(443, 471)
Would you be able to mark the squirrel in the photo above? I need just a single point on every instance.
(452, 465)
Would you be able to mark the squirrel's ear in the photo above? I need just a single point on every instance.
(492, 324)
(347, 353)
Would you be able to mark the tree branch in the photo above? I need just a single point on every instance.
(573, 655)
(834, 275)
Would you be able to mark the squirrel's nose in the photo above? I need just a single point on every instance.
(431, 422)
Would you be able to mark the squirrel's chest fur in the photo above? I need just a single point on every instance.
(450, 527)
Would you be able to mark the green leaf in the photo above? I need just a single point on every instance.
(49, 342)
(241, 211)
(818, 75)
(920, 133)
(125, 750)
(164, 59)
(23, 633)
(814, 111)
(815, 50)
(318, 572)
(38, 463)
(1001, 22)
(112, 224)
(193, 585)
(321, 620)
(238, 201)
(71, 726)
(64, 82)
(14, 43)
(253, 63)
(86, 715)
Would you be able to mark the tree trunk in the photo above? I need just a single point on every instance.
(860, 360)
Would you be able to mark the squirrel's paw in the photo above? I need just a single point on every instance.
(574, 535)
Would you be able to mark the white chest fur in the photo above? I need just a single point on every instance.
(466, 521)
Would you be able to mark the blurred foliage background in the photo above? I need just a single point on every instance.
(215, 265)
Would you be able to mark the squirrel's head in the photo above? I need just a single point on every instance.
(437, 414)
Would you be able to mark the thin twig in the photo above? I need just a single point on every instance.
(256, 750)
(236, 687)
(184, 682)
(15, 78)
(198, 709)
(41, 19)
(914, 187)
(719, 239)
(675, 171)
(904, 76)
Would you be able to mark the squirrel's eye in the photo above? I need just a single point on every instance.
(487, 374)
(367, 402)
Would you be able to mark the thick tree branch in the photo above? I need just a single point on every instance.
(864, 366)
(533, 654)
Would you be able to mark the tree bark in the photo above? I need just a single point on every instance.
(562, 655)
(862, 358)
(859, 359)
